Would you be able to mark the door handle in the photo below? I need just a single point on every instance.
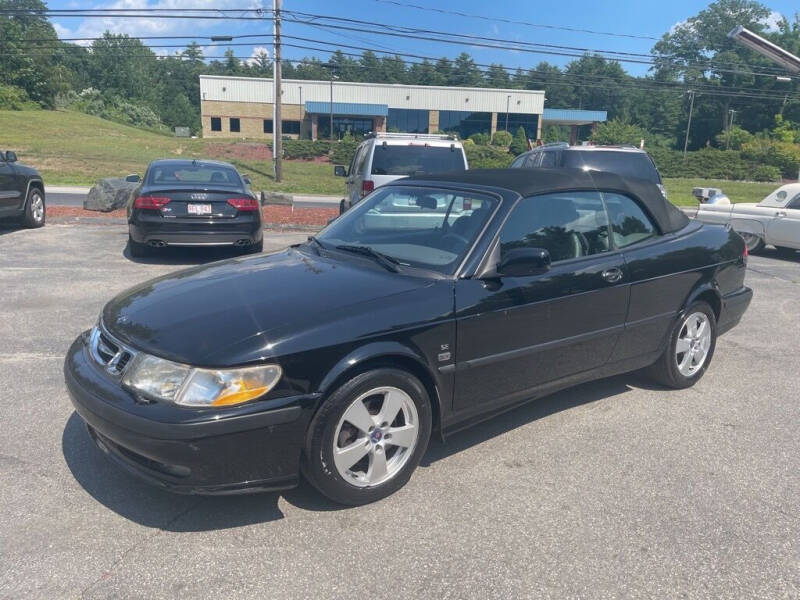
(612, 275)
(780, 213)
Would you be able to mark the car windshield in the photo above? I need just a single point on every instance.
(193, 173)
(627, 164)
(427, 228)
(415, 159)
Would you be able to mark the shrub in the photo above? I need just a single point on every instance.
(734, 138)
(618, 131)
(765, 173)
(305, 149)
(783, 155)
(342, 151)
(468, 142)
(502, 138)
(487, 157)
(480, 139)
(14, 98)
(520, 142)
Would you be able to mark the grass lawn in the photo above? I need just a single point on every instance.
(71, 148)
(680, 190)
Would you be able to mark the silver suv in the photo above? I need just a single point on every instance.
(385, 157)
(626, 161)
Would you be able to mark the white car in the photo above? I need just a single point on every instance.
(386, 157)
(775, 220)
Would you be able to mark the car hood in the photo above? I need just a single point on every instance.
(199, 316)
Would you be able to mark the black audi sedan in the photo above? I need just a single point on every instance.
(430, 306)
(193, 203)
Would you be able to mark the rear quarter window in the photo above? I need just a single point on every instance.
(412, 160)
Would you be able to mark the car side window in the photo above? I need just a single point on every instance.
(358, 159)
(519, 161)
(549, 159)
(534, 159)
(794, 202)
(567, 225)
(629, 223)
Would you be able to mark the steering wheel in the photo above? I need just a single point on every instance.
(451, 239)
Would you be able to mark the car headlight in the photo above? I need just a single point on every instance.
(161, 379)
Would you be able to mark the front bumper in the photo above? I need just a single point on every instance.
(255, 447)
(733, 307)
(188, 232)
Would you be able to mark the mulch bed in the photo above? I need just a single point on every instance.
(274, 216)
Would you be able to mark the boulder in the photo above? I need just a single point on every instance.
(276, 198)
(109, 194)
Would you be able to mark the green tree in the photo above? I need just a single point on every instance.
(520, 142)
(497, 77)
(465, 73)
(618, 131)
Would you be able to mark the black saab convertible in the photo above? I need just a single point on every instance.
(434, 303)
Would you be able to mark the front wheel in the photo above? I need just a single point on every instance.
(689, 350)
(34, 209)
(368, 437)
(138, 250)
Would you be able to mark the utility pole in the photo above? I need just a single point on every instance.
(508, 100)
(689, 124)
(330, 72)
(732, 114)
(277, 135)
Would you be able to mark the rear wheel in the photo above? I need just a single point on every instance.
(138, 250)
(689, 350)
(754, 242)
(34, 209)
(368, 437)
(255, 248)
(785, 252)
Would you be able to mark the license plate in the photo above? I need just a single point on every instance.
(199, 209)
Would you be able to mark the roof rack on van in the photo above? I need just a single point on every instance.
(554, 145)
(416, 136)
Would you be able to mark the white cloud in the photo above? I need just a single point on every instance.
(150, 26)
(257, 50)
(773, 20)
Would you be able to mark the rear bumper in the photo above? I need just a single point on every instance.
(186, 451)
(202, 233)
(733, 307)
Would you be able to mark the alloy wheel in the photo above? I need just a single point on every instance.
(694, 342)
(375, 436)
(37, 208)
(751, 240)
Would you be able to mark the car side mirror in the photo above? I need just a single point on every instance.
(11, 156)
(247, 180)
(133, 178)
(522, 262)
(339, 171)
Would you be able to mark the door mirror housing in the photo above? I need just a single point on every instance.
(247, 180)
(11, 156)
(522, 262)
(339, 171)
(133, 178)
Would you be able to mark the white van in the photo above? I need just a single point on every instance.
(384, 157)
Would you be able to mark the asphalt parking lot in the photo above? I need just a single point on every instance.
(615, 489)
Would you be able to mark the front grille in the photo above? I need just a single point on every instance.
(113, 356)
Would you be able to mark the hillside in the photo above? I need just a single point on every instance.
(71, 148)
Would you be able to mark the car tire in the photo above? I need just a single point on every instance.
(755, 243)
(380, 466)
(137, 249)
(342, 207)
(785, 252)
(688, 354)
(255, 248)
(35, 210)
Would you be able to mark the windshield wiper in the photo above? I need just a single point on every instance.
(314, 240)
(388, 262)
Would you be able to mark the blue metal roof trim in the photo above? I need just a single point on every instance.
(348, 109)
(569, 114)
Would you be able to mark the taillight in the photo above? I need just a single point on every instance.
(745, 252)
(367, 186)
(243, 203)
(151, 202)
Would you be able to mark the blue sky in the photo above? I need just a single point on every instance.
(633, 17)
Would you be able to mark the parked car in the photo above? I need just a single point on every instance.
(340, 356)
(21, 191)
(193, 203)
(627, 161)
(775, 220)
(386, 157)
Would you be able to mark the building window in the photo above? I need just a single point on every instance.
(529, 123)
(267, 125)
(465, 123)
(407, 120)
(216, 124)
(235, 127)
(342, 126)
(291, 127)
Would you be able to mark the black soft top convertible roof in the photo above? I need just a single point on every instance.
(531, 182)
